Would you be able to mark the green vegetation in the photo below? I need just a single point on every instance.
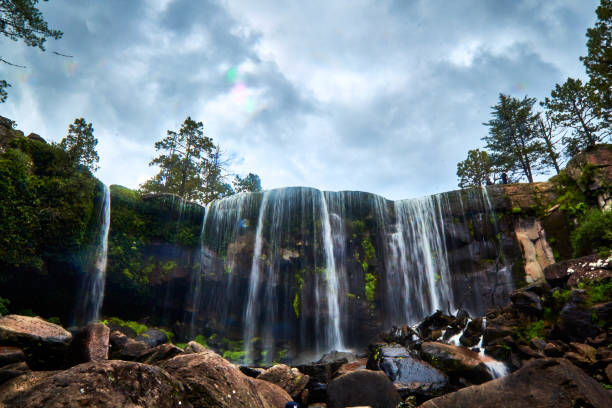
(4, 306)
(201, 340)
(598, 291)
(80, 144)
(474, 171)
(370, 286)
(593, 234)
(532, 330)
(250, 183)
(137, 327)
(234, 356)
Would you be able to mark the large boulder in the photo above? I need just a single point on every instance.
(95, 384)
(576, 321)
(194, 347)
(153, 337)
(160, 353)
(457, 362)
(126, 348)
(541, 383)
(213, 381)
(91, 343)
(272, 396)
(362, 388)
(409, 374)
(44, 344)
(289, 379)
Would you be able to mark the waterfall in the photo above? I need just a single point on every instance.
(250, 323)
(334, 337)
(96, 279)
(416, 261)
(285, 273)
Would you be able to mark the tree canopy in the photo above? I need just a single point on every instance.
(250, 183)
(21, 20)
(598, 61)
(475, 170)
(571, 106)
(512, 140)
(192, 166)
(80, 144)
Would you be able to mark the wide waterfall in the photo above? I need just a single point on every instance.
(297, 271)
(95, 279)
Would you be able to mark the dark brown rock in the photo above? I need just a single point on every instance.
(362, 388)
(13, 370)
(526, 302)
(160, 353)
(542, 383)
(194, 347)
(10, 355)
(552, 350)
(472, 333)
(95, 384)
(271, 395)
(457, 362)
(289, 379)
(609, 373)
(575, 322)
(213, 381)
(91, 343)
(125, 348)
(44, 344)
(359, 364)
(153, 337)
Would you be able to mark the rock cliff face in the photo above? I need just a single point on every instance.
(294, 271)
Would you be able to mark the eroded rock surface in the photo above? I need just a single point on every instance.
(362, 388)
(289, 379)
(544, 383)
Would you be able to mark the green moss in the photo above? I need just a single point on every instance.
(516, 210)
(4, 306)
(201, 340)
(296, 305)
(370, 286)
(234, 356)
(168, 334)
(532, 330)
(137, 327)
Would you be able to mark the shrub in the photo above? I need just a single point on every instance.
(4, 306)
(593, 234)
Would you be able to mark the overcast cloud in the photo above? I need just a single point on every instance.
(379, 96)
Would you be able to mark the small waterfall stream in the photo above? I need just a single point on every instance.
(96, 278)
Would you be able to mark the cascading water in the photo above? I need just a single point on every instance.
(96, 278)
(297, 270)
(333, 326)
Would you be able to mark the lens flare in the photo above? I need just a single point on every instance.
(70, 68)
(519, 87)
(232, 75)
(244, 223)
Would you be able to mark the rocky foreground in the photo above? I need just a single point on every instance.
(550, 347)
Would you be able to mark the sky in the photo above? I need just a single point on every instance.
(379, 96)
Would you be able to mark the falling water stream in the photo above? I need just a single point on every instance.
(95, 280)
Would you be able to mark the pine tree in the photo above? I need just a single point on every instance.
(571, 106)
(598, 62)
(80, 144)
(475, 170)
(191, 165)
(250, 183)
(512, 139)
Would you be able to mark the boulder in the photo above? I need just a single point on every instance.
(153, 337)
(359, 364)
(125, 348)
(91, 343)
(573, 271)
(194, 347)
(289, 379)
(213, 381)
(526, 302)
(435, 322)
(542, 383)
(160, 353)
(409, 374)
(334, 357)
(362, 388)
(272, 396)
(575, 321)
(471, 334)
(95, 384)
(252, 372)
(457, 362)
(10, 355)
(13, 370)
(45, 344)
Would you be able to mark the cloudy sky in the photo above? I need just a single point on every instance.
(380, 96)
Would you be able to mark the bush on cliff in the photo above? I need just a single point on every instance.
(593, 234)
